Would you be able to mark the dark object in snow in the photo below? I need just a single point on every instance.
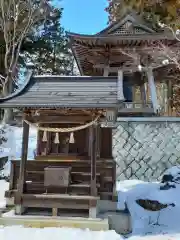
(7, 178)
(167, 186)
(152, 205)
(3, 161)
(167, 178)
(3, 139)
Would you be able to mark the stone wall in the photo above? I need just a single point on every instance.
(145, 149)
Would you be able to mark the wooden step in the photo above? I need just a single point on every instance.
(81, 169)
(83, 177)
(84, 173)
(38, 176)
(57, 201)
(77, 173)
(38, 187)
(41, 184)
(61, 196)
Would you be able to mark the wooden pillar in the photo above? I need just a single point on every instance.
(120, 94)
(22, 172)
(93, 160)
(106, 72)
(143, 93)
(48, 143)
(169, 97)
(98, 140)
(152, 88)
(89, 142)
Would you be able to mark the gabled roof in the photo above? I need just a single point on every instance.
(128, 22)
(60, 91)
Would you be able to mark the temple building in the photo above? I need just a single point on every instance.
(74, 168)
(128, 49)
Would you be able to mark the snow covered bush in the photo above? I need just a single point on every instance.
(154, 207)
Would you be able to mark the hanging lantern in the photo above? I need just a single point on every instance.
(71, 139)
(44, 139)
(56, 139)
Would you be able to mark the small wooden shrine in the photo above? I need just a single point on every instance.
(74, 166)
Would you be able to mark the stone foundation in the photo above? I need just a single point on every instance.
(144, 148)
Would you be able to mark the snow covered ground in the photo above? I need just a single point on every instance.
(146, 225)
(165, 222)
(12, 148)
(21, 233)
(3, 187)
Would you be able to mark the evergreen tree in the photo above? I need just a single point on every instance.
(47, 49)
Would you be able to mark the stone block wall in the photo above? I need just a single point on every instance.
(144, 150)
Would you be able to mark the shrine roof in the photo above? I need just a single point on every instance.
(61, 91)
(129, 31)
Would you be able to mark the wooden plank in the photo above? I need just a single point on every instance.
(48, 143)
(56, 201)
(56, 204)
(73, 185)
(93, 160)
(98, 141)
(20, 186)
(57, 222)
(143, 94)
(170, 96)
(72, 173)
(11, 176)
(61, 196)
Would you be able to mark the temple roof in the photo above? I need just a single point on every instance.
(60, 91)
(122, 24)
(129, 31)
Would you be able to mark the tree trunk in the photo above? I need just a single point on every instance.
(8, 112)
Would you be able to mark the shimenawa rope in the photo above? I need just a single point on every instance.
(72, 129)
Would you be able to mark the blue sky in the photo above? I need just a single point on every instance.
(84, 16)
